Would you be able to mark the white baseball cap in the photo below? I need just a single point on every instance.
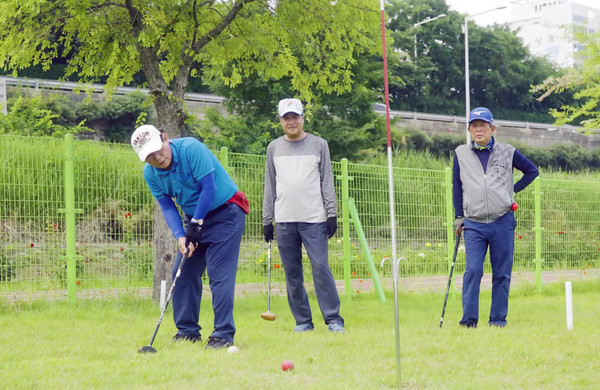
(146, 139)
(290, 105)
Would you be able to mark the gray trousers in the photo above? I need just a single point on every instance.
(290, 237)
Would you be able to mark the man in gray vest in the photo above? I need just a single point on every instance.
(483, 189)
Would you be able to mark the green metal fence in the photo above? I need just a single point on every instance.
(110, 212)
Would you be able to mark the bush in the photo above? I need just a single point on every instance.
(56, 115)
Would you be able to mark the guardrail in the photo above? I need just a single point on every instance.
(99, 88)
(380, 108)
(209, 98)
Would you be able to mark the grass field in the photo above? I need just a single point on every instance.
(92, 344)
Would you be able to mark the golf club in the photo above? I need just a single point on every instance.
(268, 315)
(450, 277)
(149, 348)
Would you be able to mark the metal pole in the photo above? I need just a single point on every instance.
(467, 86)
(70, 218)
(415, 59)
(391, 188)
(346, 228)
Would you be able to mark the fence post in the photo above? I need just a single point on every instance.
(69, 211)
(537, 193)
(346, 226)
(449, 219)
(224, 157)
(365, 246)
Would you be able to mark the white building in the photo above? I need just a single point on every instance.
(546, 27)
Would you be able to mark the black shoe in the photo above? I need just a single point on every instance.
(217, 343)
(193, 338)
(469, 325)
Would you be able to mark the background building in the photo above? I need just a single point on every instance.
(546, 27)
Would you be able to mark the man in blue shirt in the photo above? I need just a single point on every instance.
(214, 214)
(483, 189)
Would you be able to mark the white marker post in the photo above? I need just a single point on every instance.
(3, 96)
(163, 293)
(569, 297)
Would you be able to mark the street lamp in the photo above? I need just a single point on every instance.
(467, 86)
(417, 25)
(415, 58)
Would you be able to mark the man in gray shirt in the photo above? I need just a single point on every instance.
(300, 196)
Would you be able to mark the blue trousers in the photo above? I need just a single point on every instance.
(217, 253)
(290, 237)
(499, 237)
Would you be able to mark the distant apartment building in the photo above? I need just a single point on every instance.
(546, 27)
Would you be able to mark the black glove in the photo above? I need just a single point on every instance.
(458, 225)
(193, 233)
(268, 232)
(331, 226)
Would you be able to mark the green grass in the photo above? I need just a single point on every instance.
(92, 344)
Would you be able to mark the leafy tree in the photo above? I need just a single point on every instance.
(347, 121)
(433, 80)
(584, 81)
(501, 68)
(312, 42)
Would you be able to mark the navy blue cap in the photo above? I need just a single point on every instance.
(481, 113)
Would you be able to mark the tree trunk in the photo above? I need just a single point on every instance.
(164, 251)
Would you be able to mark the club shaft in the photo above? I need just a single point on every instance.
(269, 279)
(162, 314)
(450, 278)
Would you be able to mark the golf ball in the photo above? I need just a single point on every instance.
(233, 349)
(287, 365)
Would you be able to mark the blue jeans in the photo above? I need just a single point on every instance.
(290, 237)
(217, 253)
(499, 236)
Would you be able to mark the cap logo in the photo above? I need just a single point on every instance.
(141, 139)
(478, 112)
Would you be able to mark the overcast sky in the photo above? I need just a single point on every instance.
(472, 7)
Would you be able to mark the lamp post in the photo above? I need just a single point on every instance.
(415, 57)
(467, 85)
(417, 25)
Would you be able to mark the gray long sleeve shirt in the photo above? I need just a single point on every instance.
(298, 181)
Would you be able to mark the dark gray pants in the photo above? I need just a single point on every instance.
(290, 237)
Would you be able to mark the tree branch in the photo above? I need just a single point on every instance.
(212, 34)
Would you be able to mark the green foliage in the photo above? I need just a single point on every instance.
(116, 117)
(56, 115)
(582, 80)
(346, 120)
(7, 268)
(438, 146)
(235, 133)
(501, 69)
(313, 43)
(33, 117)
(559, 157)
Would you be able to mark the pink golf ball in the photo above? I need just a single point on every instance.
(287, 365)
